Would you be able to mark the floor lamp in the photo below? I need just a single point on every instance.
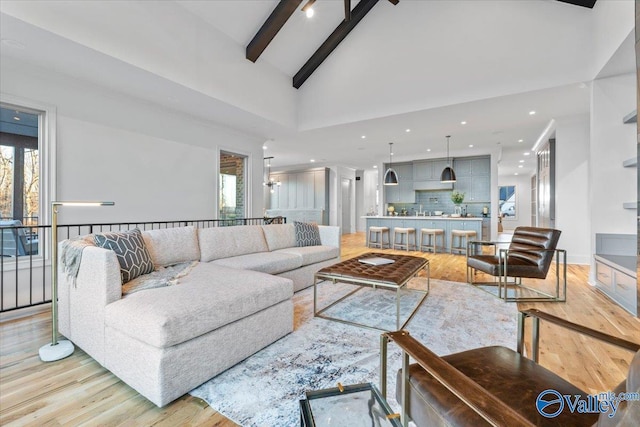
(59, 349)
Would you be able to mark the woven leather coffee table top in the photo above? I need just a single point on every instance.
(395, 274)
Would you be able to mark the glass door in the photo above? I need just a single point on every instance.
(232, 186)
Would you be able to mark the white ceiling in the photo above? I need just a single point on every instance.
(420, 65)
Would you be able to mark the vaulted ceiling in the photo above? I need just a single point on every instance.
(420, 65)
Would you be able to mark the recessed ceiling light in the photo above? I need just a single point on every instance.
(309, 12)
(312, 160)
(520, 166)
(375, 166)
(470, 145)
(428, 149)
(463, 122)
(264, 147)
(532, 112)
(521, 161)
(516, 173)
(407, 130)
(364, 137)
(526, 153)
(521, 140)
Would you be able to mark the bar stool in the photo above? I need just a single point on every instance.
(374, 241)
(463, 238)
(432, 235)
(400, 231)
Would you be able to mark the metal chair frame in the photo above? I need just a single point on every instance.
(502, 282)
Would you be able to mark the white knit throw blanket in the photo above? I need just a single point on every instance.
(71, 256)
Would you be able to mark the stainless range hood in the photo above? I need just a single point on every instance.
(432, 185)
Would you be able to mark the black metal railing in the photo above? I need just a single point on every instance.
(25, 270)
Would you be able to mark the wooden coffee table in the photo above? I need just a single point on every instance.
(388, 276)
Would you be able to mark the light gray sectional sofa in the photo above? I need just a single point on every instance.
(231, 298)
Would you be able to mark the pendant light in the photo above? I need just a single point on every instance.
(390, 176)
(448, 175)
(268, 181)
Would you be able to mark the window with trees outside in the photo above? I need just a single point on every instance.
(23, 194)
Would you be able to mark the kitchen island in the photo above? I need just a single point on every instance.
(445, 223)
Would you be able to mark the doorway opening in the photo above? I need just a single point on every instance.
(232, 200)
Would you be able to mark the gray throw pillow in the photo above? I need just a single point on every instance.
(132, 254)
(307, 234)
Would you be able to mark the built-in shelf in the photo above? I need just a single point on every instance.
(632, 117)
(630, 163)
(630, 205)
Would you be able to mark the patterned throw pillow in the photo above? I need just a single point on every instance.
(132, 254)
(307, 234)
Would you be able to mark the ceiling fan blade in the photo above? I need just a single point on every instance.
(347, 10)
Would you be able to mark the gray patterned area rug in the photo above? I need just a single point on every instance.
(264, 390)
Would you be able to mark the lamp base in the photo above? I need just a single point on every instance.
(50, 352)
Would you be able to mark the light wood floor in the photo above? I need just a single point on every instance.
(77, 391)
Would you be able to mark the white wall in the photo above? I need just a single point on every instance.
(572, 187)
(361, 208)
(612, 23)
(612, 142)
(154, 163)
(198, 56)
(523, 200)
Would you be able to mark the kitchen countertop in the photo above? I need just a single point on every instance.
(448, 218)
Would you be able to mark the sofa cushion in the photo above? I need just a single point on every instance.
(279, 236)
(170, 246)
(225, 242)
(265, 262)
(307, 234)
(209, 297)
(132, 254)
(312, 254)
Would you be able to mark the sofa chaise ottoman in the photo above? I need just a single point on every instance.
(231, 298)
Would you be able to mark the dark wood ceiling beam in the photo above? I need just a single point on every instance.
(347, 10)
(270, 28)
(339, 34)
(583, 3)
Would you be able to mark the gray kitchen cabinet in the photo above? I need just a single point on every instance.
(462, 167)
(486, 229)
(321, 189)
(304, 190)
(472, 166)
(480, 189)
(481, 166)
(463, 184)
(401, 193)
(404, 171)
(475, 189)
(615, 283)
(426, 175)
(474, 178)
(428, 170)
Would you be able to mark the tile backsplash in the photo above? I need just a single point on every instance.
(437, 201)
